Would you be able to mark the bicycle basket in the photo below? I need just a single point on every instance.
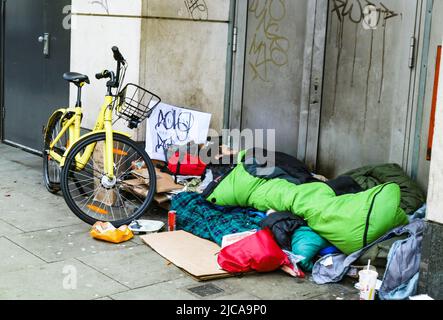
(135, 104)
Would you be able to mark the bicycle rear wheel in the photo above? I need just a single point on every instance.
(93, 197)
(51, 168)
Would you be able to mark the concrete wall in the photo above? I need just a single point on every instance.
(435, 191)
(175, 50)
(366, 103)
(277, 61)
(96, 27)
(183, 54)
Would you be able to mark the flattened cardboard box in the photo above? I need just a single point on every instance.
(165, 182)
(194, 255)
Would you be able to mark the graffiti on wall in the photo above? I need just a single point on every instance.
(358, 11)
(102, 3)
(198, 10)
(269, 47)
(371, 17)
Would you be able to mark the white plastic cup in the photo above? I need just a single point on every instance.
(368, 283)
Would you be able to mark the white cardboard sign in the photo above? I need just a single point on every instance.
(169, 125)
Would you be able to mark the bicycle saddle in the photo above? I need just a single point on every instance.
(76, 78)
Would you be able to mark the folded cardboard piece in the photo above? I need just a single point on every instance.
(194, 255)
(162, 198)
(165, 185)
(165, 182)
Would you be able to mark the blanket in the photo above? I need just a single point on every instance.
(208, 221)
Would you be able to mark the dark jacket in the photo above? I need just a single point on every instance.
(283, 226)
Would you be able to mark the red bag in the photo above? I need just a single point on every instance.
(188, 166)
(259, 252)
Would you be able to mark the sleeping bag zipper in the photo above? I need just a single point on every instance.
(365, 236)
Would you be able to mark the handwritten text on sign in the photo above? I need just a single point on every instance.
(169, 125)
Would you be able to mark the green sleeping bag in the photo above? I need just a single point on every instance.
(349, 222)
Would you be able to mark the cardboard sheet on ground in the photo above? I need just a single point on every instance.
(194, 255)
(169, 125)
(165, 182)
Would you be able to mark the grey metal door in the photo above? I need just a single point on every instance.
(367, 106)
(33, 83)
(282, 72)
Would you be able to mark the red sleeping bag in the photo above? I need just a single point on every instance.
(259, 252)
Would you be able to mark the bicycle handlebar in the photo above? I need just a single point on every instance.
(102, 75)
(114, 78)
(117, 55)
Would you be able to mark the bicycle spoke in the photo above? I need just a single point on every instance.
(121, 158)
(84, 180)
(82, 186)
(123, 203)
(83, 174)
(93, 195)
(112, 212)
(92, 167)
(131, 202)
(127, 170)
(134, 194)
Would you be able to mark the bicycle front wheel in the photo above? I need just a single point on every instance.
(93, 197)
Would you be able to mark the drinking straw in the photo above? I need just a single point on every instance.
(369, 264)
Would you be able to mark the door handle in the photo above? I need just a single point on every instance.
(45, 40)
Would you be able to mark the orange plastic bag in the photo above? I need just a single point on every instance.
(107, 232)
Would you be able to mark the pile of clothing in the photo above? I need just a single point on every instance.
(362, 214)
(182, 171)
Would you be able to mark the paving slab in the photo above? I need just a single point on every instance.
(66, 280)
(15, 258)
(14, 171)
(134, 267)
(181, 289)
(64, 243)
(280, 286)
(37, 219)
(169, 290)
(138, 240)
(6, 229)
(30, 207)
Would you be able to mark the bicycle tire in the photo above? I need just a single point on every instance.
(52, 184)
(94, 212)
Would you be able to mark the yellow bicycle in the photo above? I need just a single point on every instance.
(96, 171)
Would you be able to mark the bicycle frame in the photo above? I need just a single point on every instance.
(103, 124)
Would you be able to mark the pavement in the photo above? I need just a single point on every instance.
(47, 253)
